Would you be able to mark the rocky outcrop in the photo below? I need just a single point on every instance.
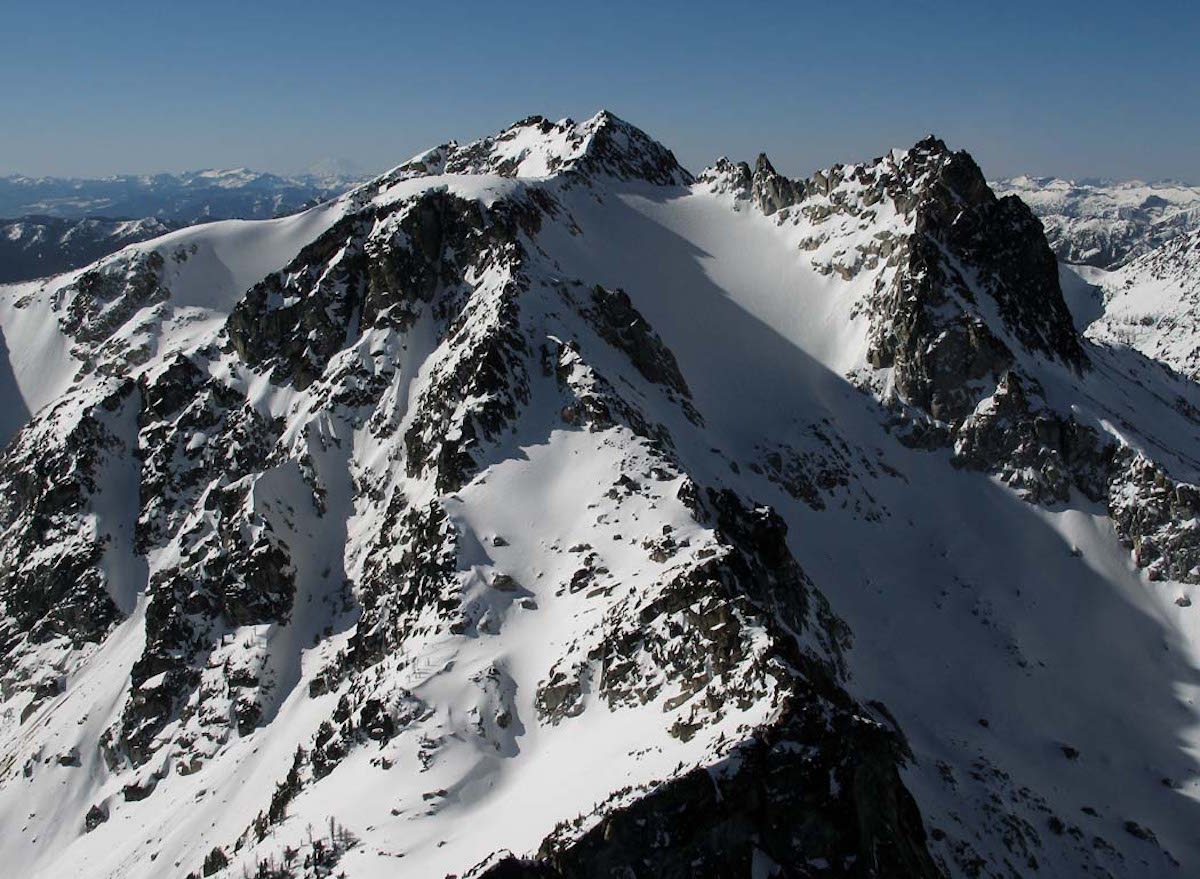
(104, 298)
(1156, 517)
(816, 794)
(727, 177)
(1034, 449)
(929, 326)
(771, 191)
(294, 320)
(54, 585)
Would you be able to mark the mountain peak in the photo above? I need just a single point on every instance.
(930, 213)
(534, 147)
(931, 143)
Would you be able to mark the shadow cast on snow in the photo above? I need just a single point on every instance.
(978, 610)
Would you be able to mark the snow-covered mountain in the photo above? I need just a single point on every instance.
(1105, 223)
(1151, 304)
(541, 510)
(179, 199)
(35, 247)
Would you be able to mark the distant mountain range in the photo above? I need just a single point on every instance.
(55, 224)
(1098, 223)
(182, 199)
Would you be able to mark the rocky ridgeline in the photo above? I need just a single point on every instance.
(965, 312)
(944, 254)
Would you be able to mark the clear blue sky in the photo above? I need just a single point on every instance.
(1069, 88)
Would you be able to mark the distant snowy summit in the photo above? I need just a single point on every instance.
(1152, 303)
(1105, 224)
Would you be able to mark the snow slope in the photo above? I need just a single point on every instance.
(495, 505)
(207, 268)
(1150, 304)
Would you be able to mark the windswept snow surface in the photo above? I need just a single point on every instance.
(1035, 670)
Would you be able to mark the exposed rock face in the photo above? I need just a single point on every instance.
(293, 321)
(771, 191)
(1156, 518)
(766, 808)
(929, 327)
(619, 323)
(54, 576)
(1047, 455)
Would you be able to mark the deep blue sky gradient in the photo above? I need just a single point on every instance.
(1076, 89)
